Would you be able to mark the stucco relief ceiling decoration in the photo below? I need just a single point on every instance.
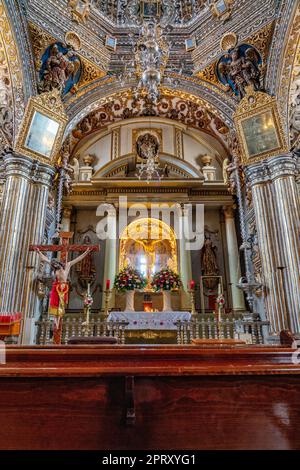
(170, 107)
(133, 12)
(11, 81)
(43, 46)
(259, 41)
(181, 20)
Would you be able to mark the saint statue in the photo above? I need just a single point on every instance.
(147, 146)
(59, 68)
(239, 69)
(86, 268)
(209, 259)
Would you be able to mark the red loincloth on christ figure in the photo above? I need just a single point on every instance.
(58, 287)
(58, 300)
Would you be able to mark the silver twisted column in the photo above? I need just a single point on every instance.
(277, 213)
(22, 220)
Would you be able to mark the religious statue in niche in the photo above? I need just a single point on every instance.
(61, 68)
(147, 145)
(240, 67)
(85, 269)
(209, 258)
(209, 263)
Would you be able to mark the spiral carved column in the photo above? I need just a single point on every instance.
(277, 213)
(22, 220)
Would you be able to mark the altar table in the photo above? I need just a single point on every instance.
(150, 320)
(149, 397)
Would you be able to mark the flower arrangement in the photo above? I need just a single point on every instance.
(165, 279)
(129, 279)
(88, 301)
(220, 300)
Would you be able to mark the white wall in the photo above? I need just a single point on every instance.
(196, 143)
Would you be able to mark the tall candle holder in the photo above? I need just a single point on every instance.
(107, 293)
(193, 308)
(88, 302)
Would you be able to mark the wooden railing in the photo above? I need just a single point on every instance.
(206, 327)
(74, 326)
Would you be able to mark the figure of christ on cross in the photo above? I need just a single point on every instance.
(61, 268)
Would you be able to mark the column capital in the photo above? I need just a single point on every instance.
(271, 169)
(229, 211)
(25, 167)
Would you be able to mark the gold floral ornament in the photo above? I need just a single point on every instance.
(42, 128)
(259, 128)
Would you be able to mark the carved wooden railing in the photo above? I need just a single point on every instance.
(206, 327)
(74, 326)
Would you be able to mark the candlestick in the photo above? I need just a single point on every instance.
(193, 308)
(107, 284)
(107, 293)
(88, 303)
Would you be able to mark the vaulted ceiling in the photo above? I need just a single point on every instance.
(35, 25)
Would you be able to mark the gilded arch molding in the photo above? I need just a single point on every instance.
(190, 110)
(107, 89)
(290, 71)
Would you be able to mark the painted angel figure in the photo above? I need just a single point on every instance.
(59, 68)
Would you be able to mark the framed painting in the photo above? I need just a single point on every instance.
(221, 9)
(190, 44)
(42, 128)
(259, 127)
(111, 43)
(150, 9)
(41, 135)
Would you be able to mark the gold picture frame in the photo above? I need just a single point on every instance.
(111, 43)
(42, 128)
(150, 9)
(190, 44)
(222, 9)
(156, 131)
(80, 10)
(259, 128)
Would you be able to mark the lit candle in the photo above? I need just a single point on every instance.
(192, 285)
(107, 284)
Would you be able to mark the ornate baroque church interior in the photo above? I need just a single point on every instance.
(149, 224)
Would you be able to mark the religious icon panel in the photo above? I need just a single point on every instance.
(260, 133)
(41, 135)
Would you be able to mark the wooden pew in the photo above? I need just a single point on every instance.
(149, 397)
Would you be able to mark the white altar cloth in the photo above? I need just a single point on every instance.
(150, 320)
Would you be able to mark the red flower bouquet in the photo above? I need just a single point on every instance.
(165, 279)
(129, 279)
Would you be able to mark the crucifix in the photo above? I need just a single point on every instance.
(61, 267)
